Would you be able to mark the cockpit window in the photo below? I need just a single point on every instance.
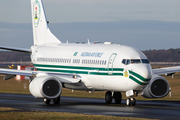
(135, 61)
(145, 61)
(124, 61)
(128, 62)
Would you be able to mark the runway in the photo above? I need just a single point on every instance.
(95, 106)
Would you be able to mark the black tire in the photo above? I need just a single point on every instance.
(47, 101)
(108, 97)
(56, 100)
(117, 97)
(133, 102)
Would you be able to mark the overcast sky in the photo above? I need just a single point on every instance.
(152, 12)
(93, 10)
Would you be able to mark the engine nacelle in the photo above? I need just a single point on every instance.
(157, 88)
(45, 87)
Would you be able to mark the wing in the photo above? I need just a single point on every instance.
(167, 70)
(64, 78)
(16, 49)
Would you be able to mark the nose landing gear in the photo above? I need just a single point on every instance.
(131, 102)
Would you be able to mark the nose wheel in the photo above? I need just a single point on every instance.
(131, 102)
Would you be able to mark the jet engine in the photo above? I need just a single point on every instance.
(157, 88)
(45, 87)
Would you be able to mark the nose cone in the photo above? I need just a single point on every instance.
(144, 71)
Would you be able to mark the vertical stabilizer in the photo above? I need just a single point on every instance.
(41, 33)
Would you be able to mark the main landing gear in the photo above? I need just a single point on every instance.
(55, 100)
(116, 96)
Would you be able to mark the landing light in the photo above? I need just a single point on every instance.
(75, 77)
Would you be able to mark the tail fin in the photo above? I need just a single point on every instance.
(41, 32)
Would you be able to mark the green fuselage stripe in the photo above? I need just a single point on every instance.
(81, 70)
(137, 81)
(63, 71)
(138, 76)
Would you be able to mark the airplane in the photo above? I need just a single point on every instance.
(88, 67)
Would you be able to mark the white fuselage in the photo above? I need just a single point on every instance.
(100, 66)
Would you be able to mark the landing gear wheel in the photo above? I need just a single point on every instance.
(128, 102)
(131, 102)
(108, 97)
(56, 100)
(47, 101)
(117, 97)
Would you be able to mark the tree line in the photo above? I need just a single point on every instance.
(11, 56)
(170, 55)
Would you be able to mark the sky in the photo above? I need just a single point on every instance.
(143, 24)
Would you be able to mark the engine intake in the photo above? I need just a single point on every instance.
(157, 88)
(45, 87)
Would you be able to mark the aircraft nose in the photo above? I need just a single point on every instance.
(145, 71)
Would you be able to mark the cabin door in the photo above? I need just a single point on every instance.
(110, 63)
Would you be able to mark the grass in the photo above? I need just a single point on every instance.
(3, 109)
(15, 114)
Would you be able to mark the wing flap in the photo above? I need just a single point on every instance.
(167, 70)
